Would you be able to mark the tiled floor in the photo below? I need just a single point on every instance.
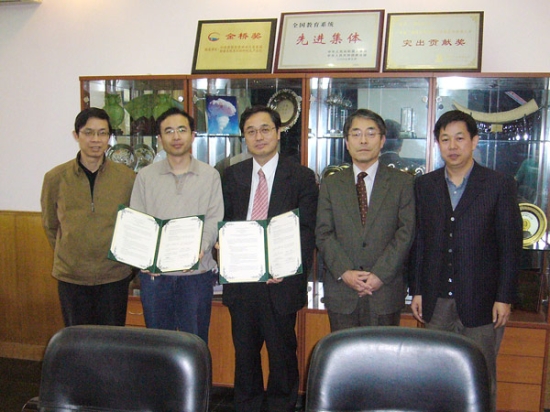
(221, 400)
(20, 381)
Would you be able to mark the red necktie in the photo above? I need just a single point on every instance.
(261, 201)
(362, 196)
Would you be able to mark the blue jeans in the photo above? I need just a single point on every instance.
(179, 303)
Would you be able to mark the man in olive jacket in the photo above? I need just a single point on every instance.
(79, 202)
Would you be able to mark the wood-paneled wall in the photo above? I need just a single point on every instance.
(29, 307)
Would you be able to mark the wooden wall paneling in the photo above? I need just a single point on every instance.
(37, 288)
(220, 341)
(316, 326)
(408, 321)
(134, 312)
(303, 363)
(519, 369)
(10, 305)
(523, 341)
(518, 397)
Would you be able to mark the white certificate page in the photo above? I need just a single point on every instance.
(283, 245)
(242, 251)
(180, 244)
(135, 238)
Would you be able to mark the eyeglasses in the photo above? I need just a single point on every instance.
(264, 131)
(357, 134)
(98, 133)
(180, 130)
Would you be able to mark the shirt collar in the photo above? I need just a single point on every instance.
(464, 181)
(268, 169)
(167, 169)
(371, 171)
(80, 167)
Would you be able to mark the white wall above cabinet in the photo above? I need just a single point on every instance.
(5, 2)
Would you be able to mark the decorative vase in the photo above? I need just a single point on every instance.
(164, 103)
(114, 109)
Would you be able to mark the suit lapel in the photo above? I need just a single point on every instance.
(474, 187)
(379, 191)
(443, 201)
(348, 196)
(279, 191)
(243, 177)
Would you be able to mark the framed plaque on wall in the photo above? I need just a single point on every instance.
(330, 41)
(234, 46)
(434, 41)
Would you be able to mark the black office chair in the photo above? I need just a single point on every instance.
(397, 369)
(107, 368)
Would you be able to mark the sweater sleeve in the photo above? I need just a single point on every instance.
(48, 202)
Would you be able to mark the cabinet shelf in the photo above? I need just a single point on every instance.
(512, 110)
(512, 114)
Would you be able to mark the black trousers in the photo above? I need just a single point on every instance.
(254, 321)
(94, 305)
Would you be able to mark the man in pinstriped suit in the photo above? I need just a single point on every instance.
(465, 258)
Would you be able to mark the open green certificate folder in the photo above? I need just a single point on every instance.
(156, 245)
(255, 250)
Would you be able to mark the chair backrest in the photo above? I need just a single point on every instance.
(111, 368)
(397, 369)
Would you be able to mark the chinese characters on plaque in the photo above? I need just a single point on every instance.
(341, 41)
(231, 46)
(329, 41)
(433, 41)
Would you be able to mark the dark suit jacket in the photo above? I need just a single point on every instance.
(294, 186)
(381, 247)
(486, 243)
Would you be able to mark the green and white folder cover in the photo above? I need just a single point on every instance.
(156, 245)
(257, 250)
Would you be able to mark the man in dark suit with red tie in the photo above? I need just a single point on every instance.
(465, 259)
(266, 312)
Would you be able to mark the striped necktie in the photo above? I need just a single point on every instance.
(261, 201)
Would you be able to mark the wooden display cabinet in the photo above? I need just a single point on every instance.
(512, 115)
(317, 105)
(222, 147)
(133, 104)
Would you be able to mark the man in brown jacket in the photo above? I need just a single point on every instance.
(79, 202)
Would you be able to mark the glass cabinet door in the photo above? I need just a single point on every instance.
(402, 103)
(217, 104)
(511, 114)
(133, 104)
